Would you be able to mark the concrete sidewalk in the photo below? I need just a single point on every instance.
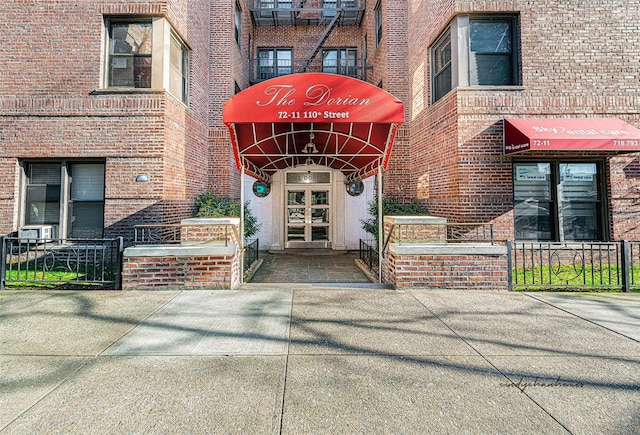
(313, 359)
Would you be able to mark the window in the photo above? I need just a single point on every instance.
(330, 8)
(280, 4)
(274, 62)
(442, 67)
(491, 60)
(76, 210)
(340, 61)
(43, 194)
(475, 51)
(86, 200)
(178, 69)
(378, 22)
(137, 56)
(130, 54)
(558, 201)
(238, 22)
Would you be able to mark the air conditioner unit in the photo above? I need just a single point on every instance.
(36, 232)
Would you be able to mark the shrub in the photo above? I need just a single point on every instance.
(391, 206)
(216, 206)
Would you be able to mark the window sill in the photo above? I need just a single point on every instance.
(107, 91)
(492, 88)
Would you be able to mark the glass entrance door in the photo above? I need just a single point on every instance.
(307, 214)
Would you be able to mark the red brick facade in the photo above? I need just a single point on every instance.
(180, 272)
(575, 61)
(446, 271)
(568, 68)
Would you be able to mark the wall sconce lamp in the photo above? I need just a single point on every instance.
(142, 178)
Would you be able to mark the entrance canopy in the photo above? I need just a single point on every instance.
(570, 134)
(313, 118)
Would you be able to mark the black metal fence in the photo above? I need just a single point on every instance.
(176, 234)
(62, 263)
(369, 255)
(251, 253)
(581, 266)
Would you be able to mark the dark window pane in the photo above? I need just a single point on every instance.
(532, 182)
(43, 204)
(533, 206)
(133, 38)
(43, 194)
(142, 72)
(122, 71)
(487, 69)
(490, 36)
(130, 58)
(442, 83)
(533, 220)
(86, 219)
(319, 234)
(441, 55)
(580, 220)
(579, 195)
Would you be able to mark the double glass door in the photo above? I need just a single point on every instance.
(308, 217)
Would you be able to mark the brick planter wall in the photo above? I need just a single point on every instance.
(176, 267)
(447, 267)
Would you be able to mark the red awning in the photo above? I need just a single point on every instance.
(570, 134)
(313, 118)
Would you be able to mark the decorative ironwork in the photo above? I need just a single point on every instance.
(568, 265)
(192, 234)
(369, 255)
(65, 262)
(251, 255)
(421, 232)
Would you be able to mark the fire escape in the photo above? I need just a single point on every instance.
(326, 15)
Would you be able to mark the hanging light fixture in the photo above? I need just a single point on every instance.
(311, 148)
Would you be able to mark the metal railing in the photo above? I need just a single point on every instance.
(464, 232)
(264, 70)
(574, 265)
(306, 12)
(251, 254)
(175, 234)
(368, 255)
(64, 263)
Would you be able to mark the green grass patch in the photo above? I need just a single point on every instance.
(607, 278)
(36, 274)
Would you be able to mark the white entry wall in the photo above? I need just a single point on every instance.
(346, 210)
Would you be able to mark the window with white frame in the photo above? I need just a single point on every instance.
(136, 60)
(66, 195)
(475, 51)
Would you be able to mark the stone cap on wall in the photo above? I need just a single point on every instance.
(400, 220)
(210, 221)
(180, 251)
(448, 249)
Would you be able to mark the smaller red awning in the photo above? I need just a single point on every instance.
(570, 134)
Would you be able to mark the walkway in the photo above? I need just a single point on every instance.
(300, 358)
(309, 266)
